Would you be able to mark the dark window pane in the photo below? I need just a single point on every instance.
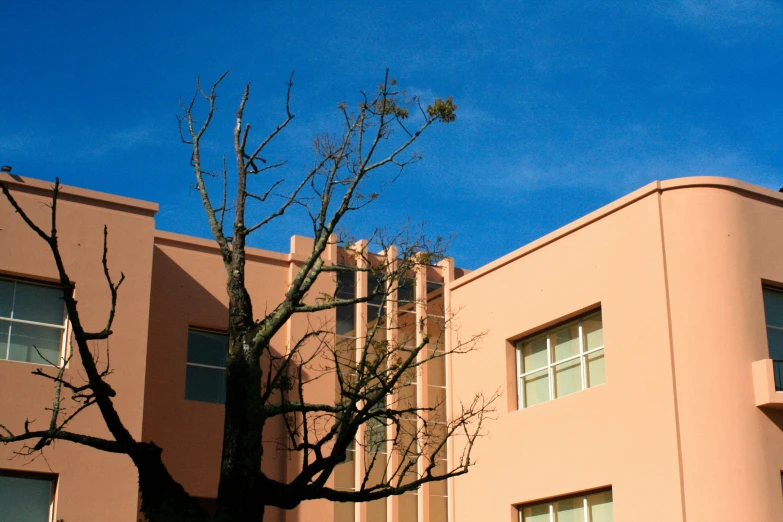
(205, 384)
(775, 340)
(6, 297)
(25, 499)
(207, 348)
(346, 319)
(42, 304)
(4, 331)
(406, 292)
(25, 338)
(346, 288)
(375, 289)
(773, 307)
(372, 313)
(433, 286)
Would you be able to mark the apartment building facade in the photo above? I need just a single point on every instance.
(634, 349)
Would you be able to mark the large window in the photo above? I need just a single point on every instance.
(26, 497)
(206, 367)
(587, 507)
(560, 361)
(32, 322)
(773, 311)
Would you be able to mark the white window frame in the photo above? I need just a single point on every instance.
(552, 502)
(64, 328)
(582, 356)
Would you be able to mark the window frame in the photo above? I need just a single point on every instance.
(211, 331)
(554, 500)
(551, 364)
(53, 480)
(65, 327)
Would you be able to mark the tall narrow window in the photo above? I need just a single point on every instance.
(32, 322)
(773, 311)
(206, 366)
(26, 497)
(589, 507)
(560, 361)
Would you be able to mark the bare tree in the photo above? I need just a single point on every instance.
(373, 371)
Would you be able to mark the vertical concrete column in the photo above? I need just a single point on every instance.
(392, 338)
(422, 392)
(447, 269)
(362, 279)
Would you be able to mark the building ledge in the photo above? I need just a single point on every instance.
(766, 393)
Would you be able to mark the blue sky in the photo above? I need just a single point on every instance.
(563, 106)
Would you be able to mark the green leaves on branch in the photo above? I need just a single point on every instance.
(443, 110)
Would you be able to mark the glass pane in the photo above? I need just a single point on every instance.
(596, 373)
(436, 369)
(775, 340)
(376, 438)
(344, 511)
(773, 307)
(534, 354)
(600, 508)
(406, 329)
(4, 330)
(373, 312)
(409, 508)
(570, 510)
(205, 384)
(42, 304)
(440, 487)
(406, 291)
(207, 348)
(537, 513)
(568, 378)
(536, 388)
(437, 400)
(435, 305)
(593, 330)
(433, 286)
(343, 475)
(375, 289)
(439, 509)
(27, 340)
(346, 320)
(376, 510)
(345, 285)
(565, 342)
(25, 499)
(6, 297)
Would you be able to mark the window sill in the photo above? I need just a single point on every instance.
(764, 385)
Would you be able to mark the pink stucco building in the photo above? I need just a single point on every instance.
(635, 351)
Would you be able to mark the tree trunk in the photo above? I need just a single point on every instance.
(162, 498)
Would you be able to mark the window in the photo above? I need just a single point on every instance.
(560, 361)
(588, 507)
(32, 322)
(773, 311)
(206, 367)
(26, 497)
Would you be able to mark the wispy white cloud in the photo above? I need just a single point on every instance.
(124, 140)
(725, 14)
(631, 158)
(23, 144)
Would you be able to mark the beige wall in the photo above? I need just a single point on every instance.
(92, 486)
(677, 269)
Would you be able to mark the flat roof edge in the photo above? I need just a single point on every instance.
(651, 188)
(172, 238)
(71, 193)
